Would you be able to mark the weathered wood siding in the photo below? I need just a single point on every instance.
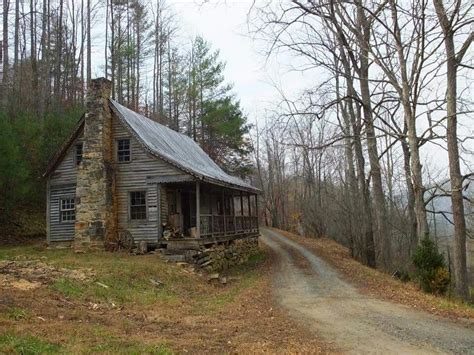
(132, 176)
(62, 184)
(60, 231)
(65, 172)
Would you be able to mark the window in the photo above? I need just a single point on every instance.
(68, 210)
(137, 205)
(123, 150)
(78, 154)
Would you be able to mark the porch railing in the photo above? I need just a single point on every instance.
(219, 225)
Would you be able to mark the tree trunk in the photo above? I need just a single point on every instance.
(89, 44)
(112, 48)
(384, 241)
(459, 245)
(366, 211)
(137, 60)
(34, 66)
(6, 5)
(412, 224)
(404, 90)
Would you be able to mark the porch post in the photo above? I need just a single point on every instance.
(233, 212)
(198, 211)
(250, 211)
(241, 204)
(242, 218)
(210, 209)
(223, 210)
(256, 209)
(158, 211)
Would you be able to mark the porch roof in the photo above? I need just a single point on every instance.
(176, 148)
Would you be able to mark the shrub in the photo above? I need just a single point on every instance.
(430, 267)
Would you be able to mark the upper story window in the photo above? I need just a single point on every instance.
(67, 210)
(137, 205)
(78, 154)
(123, 150)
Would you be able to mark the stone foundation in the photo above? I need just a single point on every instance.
(223, 256)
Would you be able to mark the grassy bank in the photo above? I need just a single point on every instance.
(57, 301)
(93, 302)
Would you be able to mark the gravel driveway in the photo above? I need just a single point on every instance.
(317, 296)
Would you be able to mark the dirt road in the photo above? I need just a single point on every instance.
(316, 295)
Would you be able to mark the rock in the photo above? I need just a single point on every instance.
(214, 258)
(214, 276)
(142, 247)
(175, 258)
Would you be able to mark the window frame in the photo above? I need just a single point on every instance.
(61, 210)
(76, 162)
(129, 209)
(117, 142)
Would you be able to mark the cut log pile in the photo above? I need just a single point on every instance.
(171, 232)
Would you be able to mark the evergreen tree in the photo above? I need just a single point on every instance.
(214, 119)
(224, 136)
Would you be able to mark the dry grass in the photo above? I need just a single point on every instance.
(382, 285)
(121, 311)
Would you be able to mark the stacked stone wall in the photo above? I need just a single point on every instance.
(95, 217)
(223, 256)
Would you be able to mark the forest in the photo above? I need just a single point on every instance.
(48, 59)
(344, 157)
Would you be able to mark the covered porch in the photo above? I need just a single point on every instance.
(201, 213)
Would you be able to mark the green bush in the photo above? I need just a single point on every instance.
(431, 270)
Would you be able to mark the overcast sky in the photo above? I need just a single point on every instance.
(223, 23)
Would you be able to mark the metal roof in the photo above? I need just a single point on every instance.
(175, 148)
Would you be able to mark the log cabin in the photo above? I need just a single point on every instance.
(120, 172)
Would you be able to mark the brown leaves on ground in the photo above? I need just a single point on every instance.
(193, 315)
(379, 284)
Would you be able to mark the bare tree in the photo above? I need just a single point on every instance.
(451, 23)
(89, 43)
(6, 9)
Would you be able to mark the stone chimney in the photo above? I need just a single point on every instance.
(95, 221)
